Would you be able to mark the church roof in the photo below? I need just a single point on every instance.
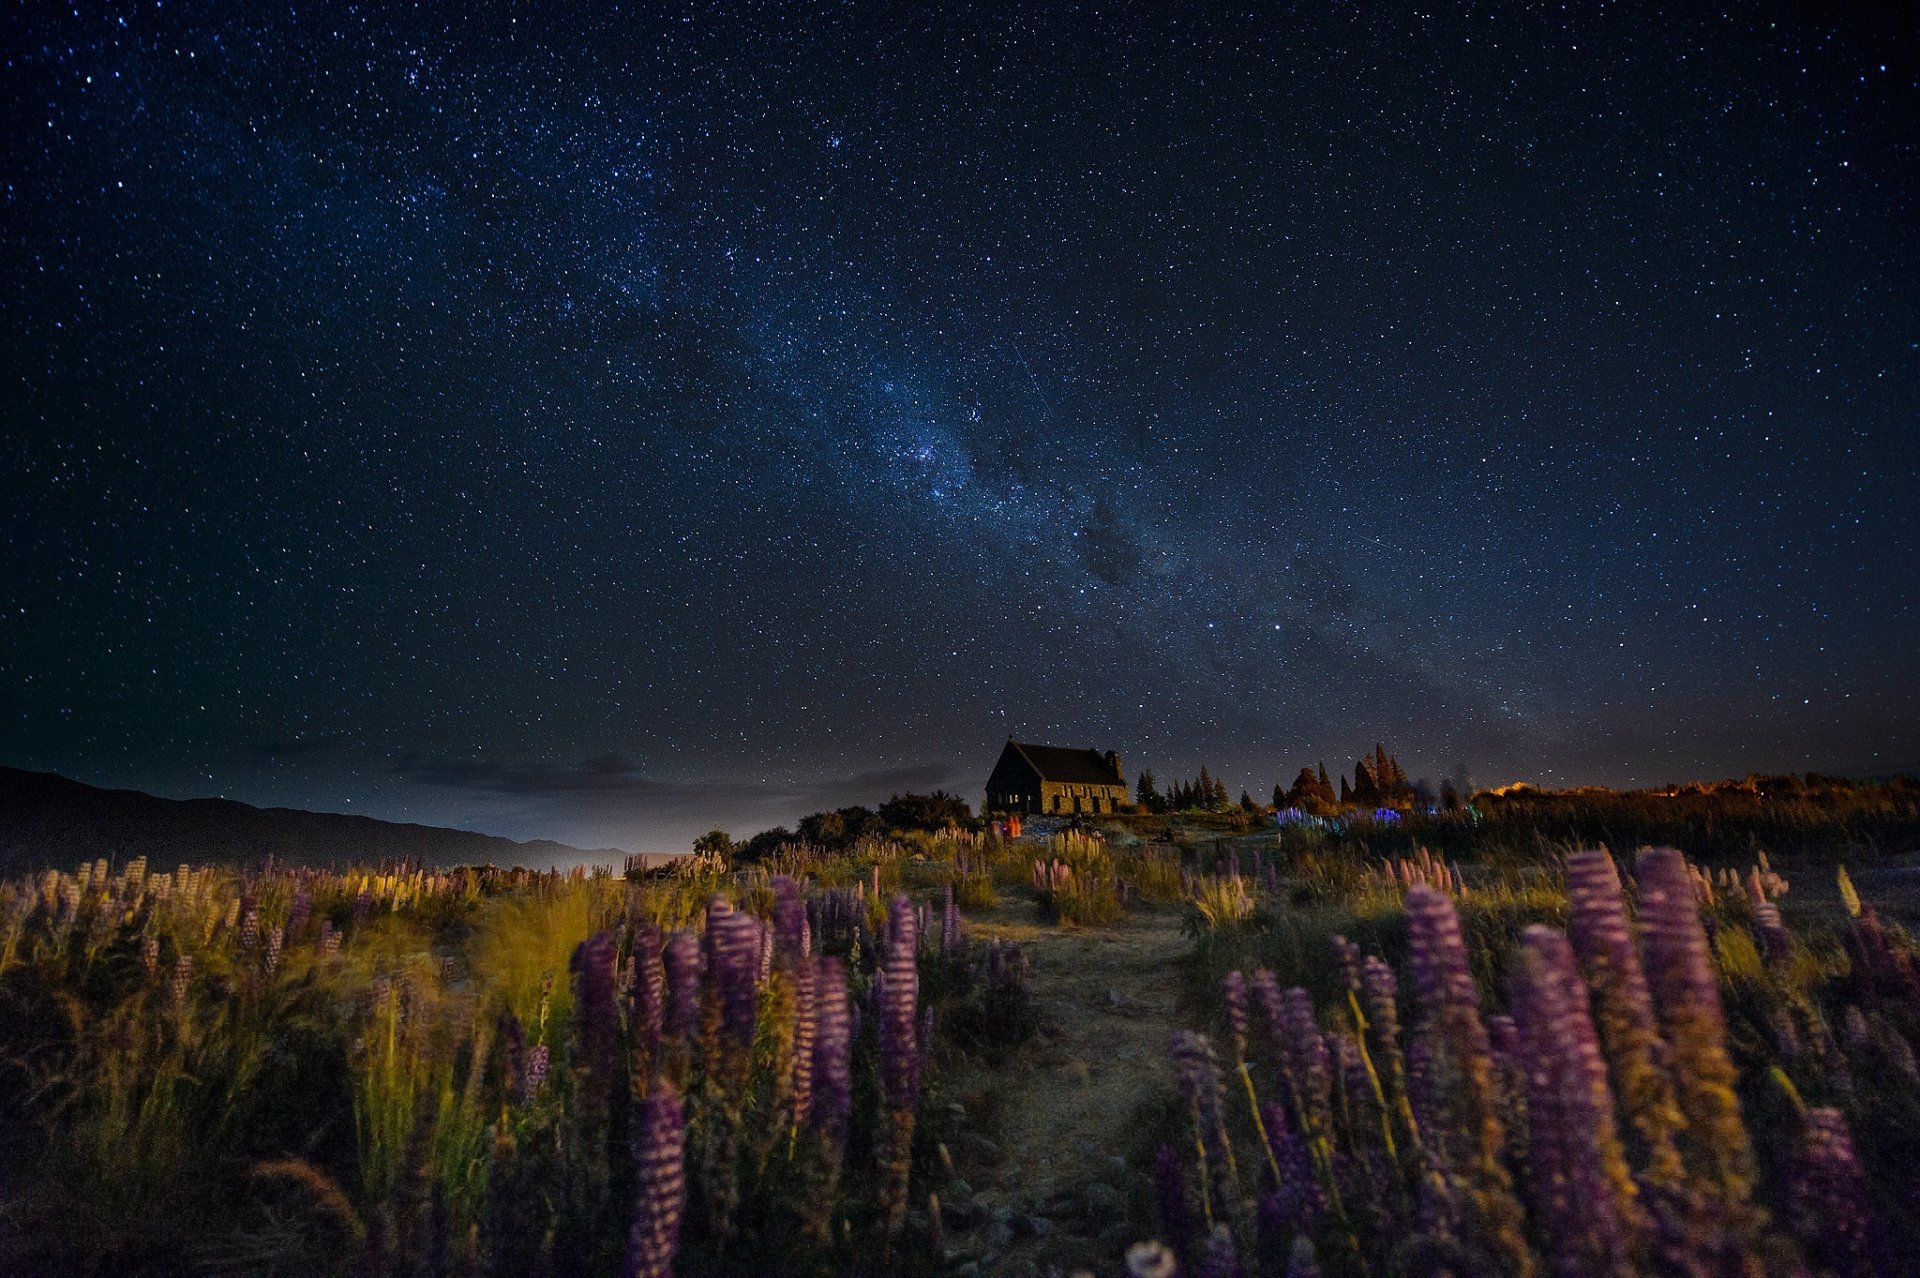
(1063, 764)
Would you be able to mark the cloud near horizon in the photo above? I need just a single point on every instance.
(607, 800)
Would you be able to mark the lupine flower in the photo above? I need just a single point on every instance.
(789, 922)
(275, 939)
(681, 961)
(660, 1187)
(805, 1022)
(150, 955)
(647, 996)
(1170, 1189)
(1828, 1201)
(1233, 992)
(1348, 956)
(1301, 1260)
(898, 1011)
(249, 923)
(1450, 1023)
(1198, 1072)
(539, 1058)
(899, 1054)
(1220, 1258)
(1623, 1009)
(595, 1016)
(832, 1048)
(1681, 975)
(1381, 998)
(733, 943)
(1578, 1169)
(1300, 1199)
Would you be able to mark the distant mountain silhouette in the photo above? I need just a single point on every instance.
(49, 821)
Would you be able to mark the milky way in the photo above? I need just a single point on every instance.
(606, 424)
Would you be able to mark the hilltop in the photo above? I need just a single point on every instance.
(47, 820)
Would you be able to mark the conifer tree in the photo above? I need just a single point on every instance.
(1365, 788)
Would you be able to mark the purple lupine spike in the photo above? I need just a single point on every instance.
(681, 961)
(1510, 1073)
(1380, 990)
(276, 937)
(1450, 1022)
(1623, 1009)
(832, 1050)
(1301, 1260)
(249, 923)
(789, 922)
(1170, 1190)
(1301, 1199)
(1347, 954)
(595, 1016)
(1220, 1258)
(539, 1058)
(1308, 1062)
(734, 944)
(1198, 1073)
(150, 957)
(647, 997)
(1681, 975)
(1233, 992)
(899, 1012)
(1828, 1203)
(805, 1032)
(1582, 1188)
(660, 1186)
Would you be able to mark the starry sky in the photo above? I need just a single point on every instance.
(607, 422)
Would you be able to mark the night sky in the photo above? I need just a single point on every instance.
(599, 424)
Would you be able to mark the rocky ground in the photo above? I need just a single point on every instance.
(1041, 1182)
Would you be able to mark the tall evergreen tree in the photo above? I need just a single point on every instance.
(1365, 788)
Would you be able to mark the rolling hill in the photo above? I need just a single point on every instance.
(47, 820)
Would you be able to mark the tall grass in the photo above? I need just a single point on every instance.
(394, 1070)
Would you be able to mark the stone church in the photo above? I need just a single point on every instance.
(1056, 780)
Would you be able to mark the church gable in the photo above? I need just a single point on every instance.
(1056, 780)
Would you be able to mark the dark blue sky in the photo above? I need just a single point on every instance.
(604, 424)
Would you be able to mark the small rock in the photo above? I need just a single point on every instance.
(999, 1237)
(1039, 1226)
(1115, 998)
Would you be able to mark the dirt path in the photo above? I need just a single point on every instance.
(1049, 1185)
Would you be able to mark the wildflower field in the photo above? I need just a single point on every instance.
(1365, 1061)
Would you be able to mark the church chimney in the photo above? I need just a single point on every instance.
(1113, 761)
